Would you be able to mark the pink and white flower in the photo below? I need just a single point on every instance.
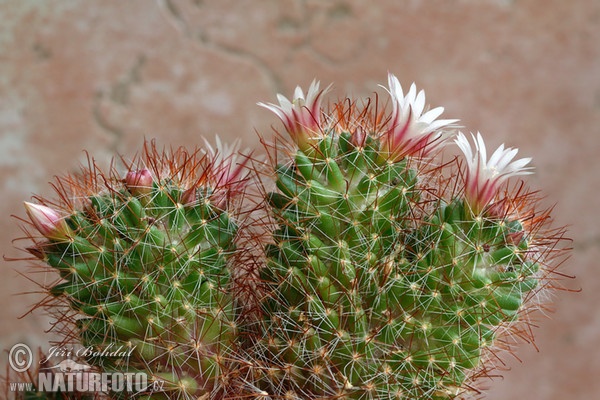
(228, 171)
(301, 116)
(410, 130)
(484, 177)
(47, 221)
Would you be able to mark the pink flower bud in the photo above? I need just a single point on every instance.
(228, 172)
(229, 179)
(47, 221)
(139, 182)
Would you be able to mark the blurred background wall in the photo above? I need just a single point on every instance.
(104, 75)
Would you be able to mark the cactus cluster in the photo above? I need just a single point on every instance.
(385, 275)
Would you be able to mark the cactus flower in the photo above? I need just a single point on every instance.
(47, 221)
(228, 172)
(410, 131)
(484, 177)
(301, 116)
(139, 182)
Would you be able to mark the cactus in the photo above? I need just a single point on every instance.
(387, 280)
(385, 273)
(143, 262)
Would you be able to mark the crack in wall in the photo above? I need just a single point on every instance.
(333, 12)
(114, 131)
(118, 94)
(172, 13)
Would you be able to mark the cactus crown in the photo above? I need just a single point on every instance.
(386, 273)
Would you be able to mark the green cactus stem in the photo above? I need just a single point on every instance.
(382, 285)
(144, 267)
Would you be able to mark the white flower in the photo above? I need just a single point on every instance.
(410, 131)
(301, 116)
(483, 176)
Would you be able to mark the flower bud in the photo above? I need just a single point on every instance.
(47, 221)
(139, 182)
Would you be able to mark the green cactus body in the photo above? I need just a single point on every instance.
(369, 272)
(145, 269)
(377, 292)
